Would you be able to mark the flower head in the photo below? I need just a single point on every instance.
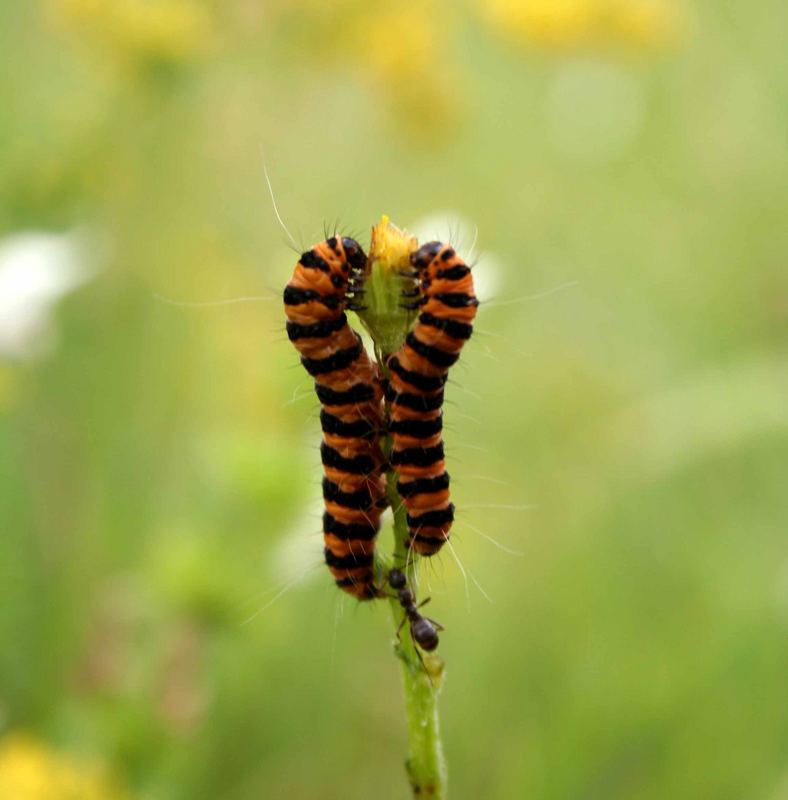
(386, 285)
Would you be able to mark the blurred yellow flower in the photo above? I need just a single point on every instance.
(546, 22)
(568, 24)
(402, 51)
(30, 770)
(648, 23)
(400, 39)
(164, 30)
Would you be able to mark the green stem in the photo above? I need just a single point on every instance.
(422, 678)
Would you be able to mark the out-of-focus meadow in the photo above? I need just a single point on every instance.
(620, 419)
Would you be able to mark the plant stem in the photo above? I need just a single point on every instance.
(422, 678)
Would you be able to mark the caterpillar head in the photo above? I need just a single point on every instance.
(354, 255)
(430, 258)
(341, 260)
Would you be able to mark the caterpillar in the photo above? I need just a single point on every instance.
(348, 386)
(418, 372)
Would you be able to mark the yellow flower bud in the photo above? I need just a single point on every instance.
(386, 284)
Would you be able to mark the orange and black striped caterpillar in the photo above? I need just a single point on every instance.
(325, 283)
(418, 372)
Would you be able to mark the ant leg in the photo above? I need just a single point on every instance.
(399, 630)
(423, 665)
(436, 624)
(424, 602)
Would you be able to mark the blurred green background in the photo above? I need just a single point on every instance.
(620, 418)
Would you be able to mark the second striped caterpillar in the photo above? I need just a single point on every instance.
(418, 372)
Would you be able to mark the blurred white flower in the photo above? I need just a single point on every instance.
(36, 270)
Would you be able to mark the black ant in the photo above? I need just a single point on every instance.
(423, 630)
